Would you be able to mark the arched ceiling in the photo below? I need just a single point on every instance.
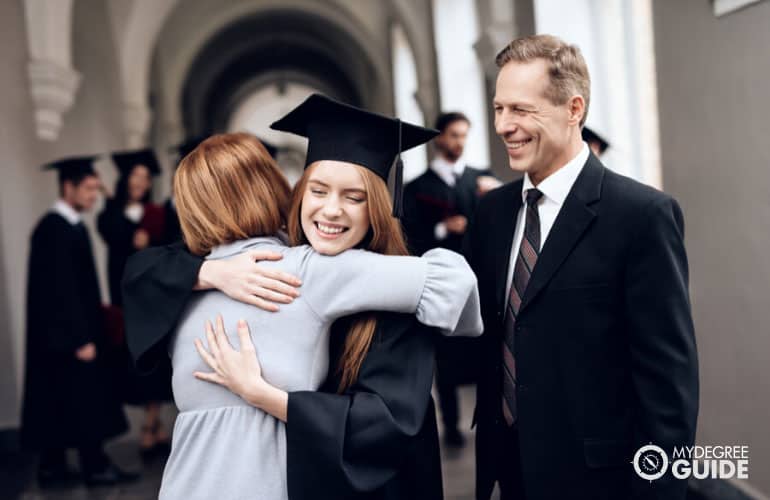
(279, 44)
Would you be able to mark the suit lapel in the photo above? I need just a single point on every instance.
(503, 239)
(575, 216)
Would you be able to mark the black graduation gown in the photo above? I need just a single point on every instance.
(118, 233)
(67, 402)
(386, 421)
(172, 230)
(428, 201)
(378, 440)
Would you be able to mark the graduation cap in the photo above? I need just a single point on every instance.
(271, 148)
(341, 132)
(127, 160)
(186, 147)
(591, 136)
(73, 168)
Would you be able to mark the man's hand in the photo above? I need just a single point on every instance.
(240, 278)
(141, 239)
(456, 224)
(86, 353)
(486, 183)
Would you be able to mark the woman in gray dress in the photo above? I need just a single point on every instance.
(230, 201)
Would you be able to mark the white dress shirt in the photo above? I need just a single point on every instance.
(449, 173)
(555, 189)
(64, 209)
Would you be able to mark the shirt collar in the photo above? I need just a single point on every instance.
(557, 186)
(64, 209)
(447, 170)
(240, 246)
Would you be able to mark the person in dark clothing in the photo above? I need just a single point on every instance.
(439, 204)
(69, 400)
(589, 347)
(129, 223)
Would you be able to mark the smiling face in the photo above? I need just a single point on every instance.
(451, 142)
(539, 136)
(335, 212)
(139, 182)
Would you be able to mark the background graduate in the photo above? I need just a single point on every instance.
(69, 401)
(130, 222)
(439, 203)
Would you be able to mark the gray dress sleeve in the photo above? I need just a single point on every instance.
(438, 287)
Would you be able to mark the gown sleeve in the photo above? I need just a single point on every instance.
(115, 229)
(157, 283)
(439, 287)
(342, 444)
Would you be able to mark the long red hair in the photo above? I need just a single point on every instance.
(385, 237)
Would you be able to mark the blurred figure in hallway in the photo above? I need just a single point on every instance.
(439, 205)
(69, 401)
(129, 223)
(596, 143)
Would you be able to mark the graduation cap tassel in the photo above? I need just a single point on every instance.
(398, 188)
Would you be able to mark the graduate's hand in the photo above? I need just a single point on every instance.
(456, 224)
(486, 183)
(86, 353)
(241, 279)
(141, 239)
(239, 371)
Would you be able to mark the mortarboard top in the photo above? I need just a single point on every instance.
(73, 167)
(271, 148)
(338, 131)
(591, 136)
(127, 160)
(186, 147)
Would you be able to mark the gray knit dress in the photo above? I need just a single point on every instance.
(222, 447)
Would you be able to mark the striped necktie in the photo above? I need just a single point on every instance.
(525, 264)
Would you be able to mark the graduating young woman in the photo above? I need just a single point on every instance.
(131, 222)
(220, 432)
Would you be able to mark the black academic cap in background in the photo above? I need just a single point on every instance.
(341, 132)
(271, 148)
(127, 160)
(184, 148)
(591, 136)
(74, 167)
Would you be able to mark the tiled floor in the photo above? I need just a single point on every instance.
(17, 473)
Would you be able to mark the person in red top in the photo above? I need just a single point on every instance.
(131, 222)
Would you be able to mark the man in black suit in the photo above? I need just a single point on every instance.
(588, 351)
(439, 204)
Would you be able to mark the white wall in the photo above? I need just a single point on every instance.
(713, 75)
(461, 76)
(615, 37)
(405, 88)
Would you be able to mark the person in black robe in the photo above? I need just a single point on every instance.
(129, 223)
(69, 400)
(439, 203)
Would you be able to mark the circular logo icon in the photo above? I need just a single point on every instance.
(650, 462)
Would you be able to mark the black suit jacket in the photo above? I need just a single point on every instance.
(605, 349)
(428, 200)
